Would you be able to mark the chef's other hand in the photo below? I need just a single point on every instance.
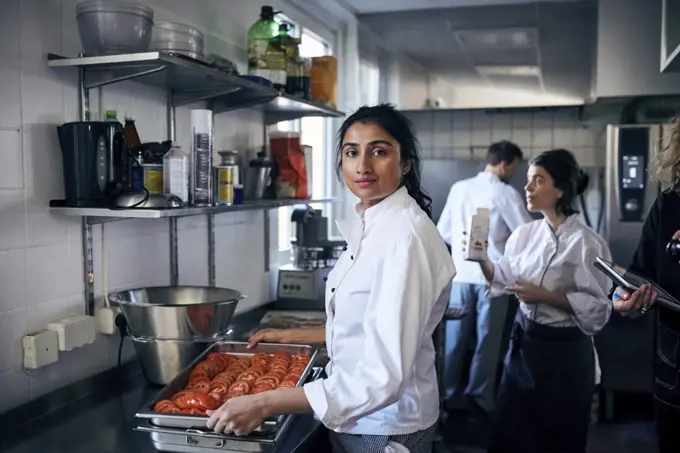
(635, 303)
(270, 336)
(527, 292)
(676, 236)
(240, 415)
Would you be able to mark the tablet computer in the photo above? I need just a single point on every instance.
(631, 281)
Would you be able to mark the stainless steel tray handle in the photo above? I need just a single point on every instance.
(196, 441)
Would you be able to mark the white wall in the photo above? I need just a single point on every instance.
(629, 50)
(462, 134)
(40, 254)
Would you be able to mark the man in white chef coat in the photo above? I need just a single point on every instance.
(485, 316)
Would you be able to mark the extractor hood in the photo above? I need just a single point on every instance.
(501, 56)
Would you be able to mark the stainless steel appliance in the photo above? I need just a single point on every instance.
(630, 192)
(177, 312)
(258, 177)
(302, 283)
(162, 360)
(626, 346)
(94, 155)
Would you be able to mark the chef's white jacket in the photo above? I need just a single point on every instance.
(384, 298)
(507, 210)
(561, 261)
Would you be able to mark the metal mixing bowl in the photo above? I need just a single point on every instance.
(113, 27)
(163, 360)
(176, 37)
(177, 312)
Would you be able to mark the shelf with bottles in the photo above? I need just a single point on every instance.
(190, 80)
(103, 215)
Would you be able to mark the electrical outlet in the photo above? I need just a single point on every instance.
(40, 349)
(75, 331)
(106, 320)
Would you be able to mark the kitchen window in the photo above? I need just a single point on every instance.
(315, 132)
(369, 74)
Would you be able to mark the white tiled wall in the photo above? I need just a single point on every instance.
(448, 134)
(41, 254)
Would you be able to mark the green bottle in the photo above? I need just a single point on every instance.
(265, 60)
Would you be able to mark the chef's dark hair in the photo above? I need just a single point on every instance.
(567, 176)
(503, 151)
(399, 127)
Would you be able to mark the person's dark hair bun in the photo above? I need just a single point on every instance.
(567, 176)
(582, 182)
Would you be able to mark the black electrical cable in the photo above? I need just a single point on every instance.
(121, 324)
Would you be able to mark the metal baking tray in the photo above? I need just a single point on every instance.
(198, 441)
(198, 422)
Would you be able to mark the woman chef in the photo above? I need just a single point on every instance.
(384, 298)
(546, 392)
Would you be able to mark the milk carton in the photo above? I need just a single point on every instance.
(477, 240)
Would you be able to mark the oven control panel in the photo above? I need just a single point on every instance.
(297, 285)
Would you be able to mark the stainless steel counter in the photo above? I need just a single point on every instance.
(98, 415)
(105, 425)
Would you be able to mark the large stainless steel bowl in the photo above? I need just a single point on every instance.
(163, 360)
(109, 27)
(177, 312)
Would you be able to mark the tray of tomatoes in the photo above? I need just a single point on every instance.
(227, 370)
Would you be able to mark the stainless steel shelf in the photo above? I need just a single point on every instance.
(103, 215)
(286, 108)
(190, 80)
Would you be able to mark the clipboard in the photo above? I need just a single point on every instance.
(631, 281)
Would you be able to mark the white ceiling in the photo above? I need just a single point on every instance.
(466, 45)
(385, 6)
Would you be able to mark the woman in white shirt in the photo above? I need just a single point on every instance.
(546, 392)
(384, 298)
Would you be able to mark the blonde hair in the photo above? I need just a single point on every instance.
(667, 160)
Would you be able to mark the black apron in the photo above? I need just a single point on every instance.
(546, 392)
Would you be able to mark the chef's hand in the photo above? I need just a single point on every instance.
(240, 415)
(636, 303)
(676, 236)
(270, 336)
(528, 292)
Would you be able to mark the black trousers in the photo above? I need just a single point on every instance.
(668, 427)
(546, 391)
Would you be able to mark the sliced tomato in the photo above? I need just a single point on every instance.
(297, 369)
(202, 386)
(284, 355)
(219, 358)
(238, 365)
(166, 406)
(240, 386)
(211, 367)
(225, 377)
(270, 384)
(257, 390)
(272, 378)
(249, 376)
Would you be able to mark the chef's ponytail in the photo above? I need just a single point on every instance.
(399, 127)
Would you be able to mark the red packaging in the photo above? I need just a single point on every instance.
(286, 149)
